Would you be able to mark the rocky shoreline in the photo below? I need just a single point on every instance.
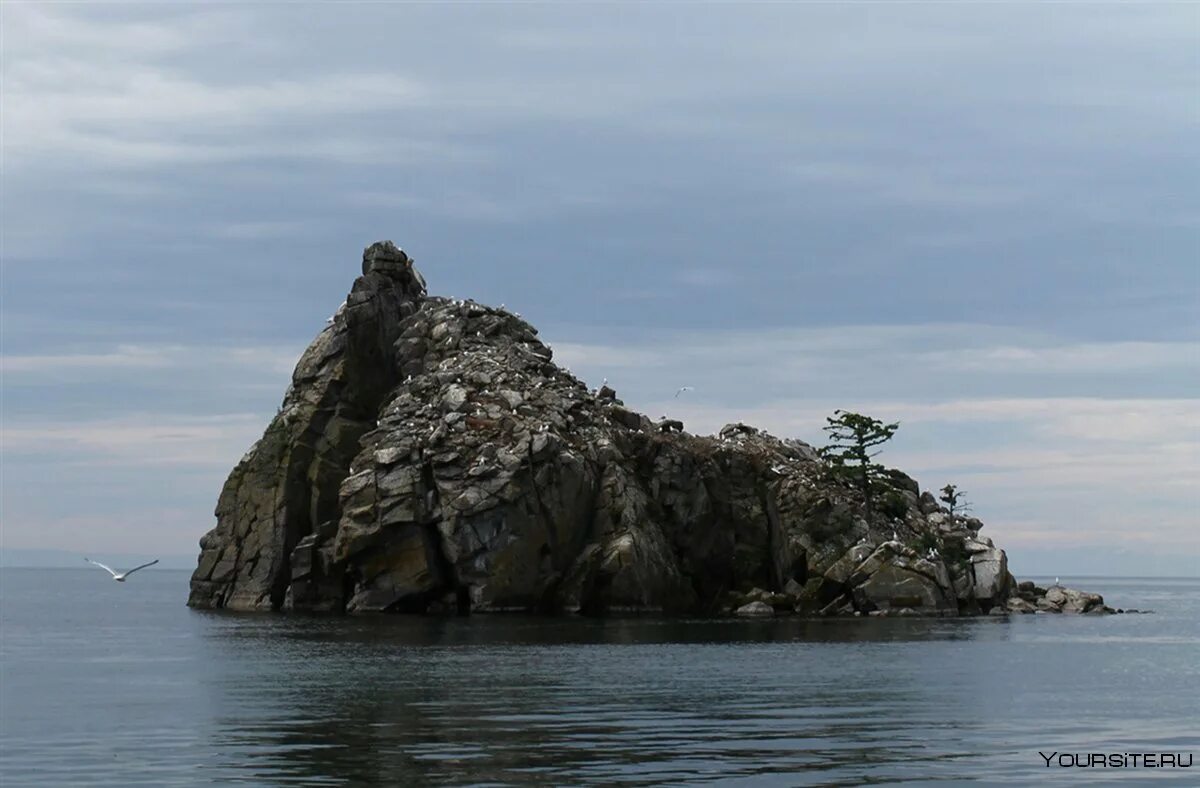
(430, 457)
(1028, 598)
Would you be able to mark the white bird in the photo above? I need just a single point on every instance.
(894, 537)
(120, 576)
(683, 389)
(1056, 583)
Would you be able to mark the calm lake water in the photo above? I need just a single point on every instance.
(120, 684)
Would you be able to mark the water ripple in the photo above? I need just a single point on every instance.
(253, 700)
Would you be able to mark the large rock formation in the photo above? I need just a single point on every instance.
(429, 456)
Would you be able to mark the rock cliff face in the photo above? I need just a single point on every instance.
(429, 456)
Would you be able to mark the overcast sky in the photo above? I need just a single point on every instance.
(980, 220)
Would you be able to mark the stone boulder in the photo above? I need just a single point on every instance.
(989, 576)
(1068, 600)
(895, 577)
(1018, 605)
(845, 567)
(755, 610)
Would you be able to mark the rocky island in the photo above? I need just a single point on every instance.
(430, 457)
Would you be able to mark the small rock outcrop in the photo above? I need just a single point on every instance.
(430, 457)
(1029, 598)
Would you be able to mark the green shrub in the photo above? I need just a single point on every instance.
(893, 504)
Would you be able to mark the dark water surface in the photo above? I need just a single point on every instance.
(111, 684)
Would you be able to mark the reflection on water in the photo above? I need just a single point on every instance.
(511, 700)
(520, 700)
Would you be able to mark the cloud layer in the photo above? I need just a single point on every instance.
(979, 220)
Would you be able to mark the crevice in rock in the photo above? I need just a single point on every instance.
(443, 566)
(776, 543)
(596, 598)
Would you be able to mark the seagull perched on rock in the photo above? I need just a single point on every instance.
(683, 389)
(120, 576)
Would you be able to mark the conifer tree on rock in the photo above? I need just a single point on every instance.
(955, 499)
(850, 454)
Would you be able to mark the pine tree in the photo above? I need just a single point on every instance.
(852, 436)
(955, 499)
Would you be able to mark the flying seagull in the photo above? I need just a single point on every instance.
(683, 389)
(120, 576)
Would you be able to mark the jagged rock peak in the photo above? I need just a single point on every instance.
(384, 257)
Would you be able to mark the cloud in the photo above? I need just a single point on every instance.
(600, 356)
(122, 357)
(145, 440)
(931, 361)
(1071, 358)
(998, 201)
(707, 277)
(116, 362)
(105, 92)
(160, 531)
(942, 184)
(457, 205)
(255, 231)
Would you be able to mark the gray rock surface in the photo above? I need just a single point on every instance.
(290, 481)
(755, 610)
(430, 457)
